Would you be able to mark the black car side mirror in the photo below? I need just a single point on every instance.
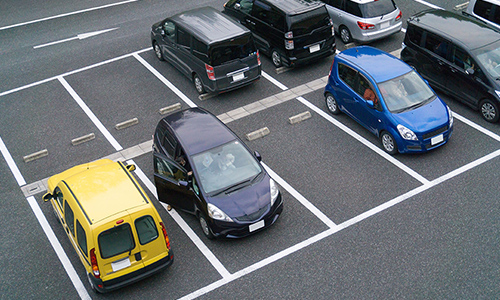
(469, 71)
(184, 183)
(257, 155)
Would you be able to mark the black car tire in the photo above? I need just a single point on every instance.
(345, 34)
(276, 58)
(198, 84)
(489, 110)
(388, 143)
(205, 228)
(157, 50)
(331, 104)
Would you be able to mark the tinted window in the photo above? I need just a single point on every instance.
(168, 169)
(307, 22)
(377, 8)
(146, 229)
(116, 240)
(436, 45)
(260, 10)
(169, 29)
(69, 217)
(335, 3)
(461, 59)
(348, 75)
(353, 9)
(415, 35)
(237, 48)
(488, 11)
(366, 90)
(246, 6)
(200, 50)
(489, 57)
(81, 237)
(169, 143)
(184, 40)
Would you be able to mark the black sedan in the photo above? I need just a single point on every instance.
(202, 167)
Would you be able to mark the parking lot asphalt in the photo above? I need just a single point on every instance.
(357, 223)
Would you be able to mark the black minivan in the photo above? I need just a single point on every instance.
(458, 55)
(203, 168)
(215, 52)
(290, 31)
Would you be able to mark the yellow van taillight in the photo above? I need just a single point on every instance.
(167, 240)
(93, 261)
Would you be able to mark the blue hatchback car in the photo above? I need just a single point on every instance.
(389, 98)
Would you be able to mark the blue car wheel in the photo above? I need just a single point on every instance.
(388, 143)
(331, 104)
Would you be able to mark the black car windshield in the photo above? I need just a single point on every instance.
(309, 21)
(237, 48)
(225, 166)
(405, 92)
(489, 57)
(377, 8)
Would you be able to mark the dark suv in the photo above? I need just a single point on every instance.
(292, 32)
(458, 55)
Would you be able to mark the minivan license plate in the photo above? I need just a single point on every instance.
(256, 226)
(314, 48)
(120, 264)
(238, 76)
(437, 139)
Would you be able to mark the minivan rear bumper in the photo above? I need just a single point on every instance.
(224, 84)
(295, 61)
(116, 283)
(368, 36)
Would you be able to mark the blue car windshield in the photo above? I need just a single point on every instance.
(405, 92)
(225, 166)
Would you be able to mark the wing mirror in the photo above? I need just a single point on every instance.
(130, 168)
(257, 155)
(469, 71)
(47, 197)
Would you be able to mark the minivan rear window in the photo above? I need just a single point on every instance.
(146, 229)
(236, 48)
(116, 240)
(377, 8)
(309, 21)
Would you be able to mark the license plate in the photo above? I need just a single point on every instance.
(238, 76)
(314, 48)
(437, 139)
(120, 264)
(384, 25)
(256, 226)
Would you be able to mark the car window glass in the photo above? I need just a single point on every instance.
(169, 143)
(146, 229)
(200, 50)
(184, 39)
(335, 3)
(81, 237)
(116, 240)
(259, 10)
(353, 9)
(461, 59)
(377, 8)
(69, 218)
(489, 59)
(168, 169)
(488, 11)
(58, 195)
(276, 19)
(234, 49)
(246, 6)
(347, 75)
(436, 45)
(366, 90)
(307, 22)
(169, 29)
(415, 35)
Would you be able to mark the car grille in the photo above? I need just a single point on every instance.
(435, 132)
(254, 216)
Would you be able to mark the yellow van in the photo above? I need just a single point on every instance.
(112, 224)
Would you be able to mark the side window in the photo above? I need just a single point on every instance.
(146, 229)
(353, 8)
(200, 50)
(436, 45)
(486, 10)
(335, 3)
(260, 10)
(415, 35)
(461, 59)
(184, 39)
(168, 169)
(246, 6)
(69, 217)
(169, 143)
(169, 29)
(366, 90)
(59, 197)
(81, 237)
(276, 19)
(348, 75)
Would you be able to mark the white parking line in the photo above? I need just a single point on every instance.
(184, 226)
(477, 127)
(428, 4)
(12, 164)
(66, 14)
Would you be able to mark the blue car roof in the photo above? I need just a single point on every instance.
(380, 65)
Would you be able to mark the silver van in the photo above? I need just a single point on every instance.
(485, 10)
(364, 20)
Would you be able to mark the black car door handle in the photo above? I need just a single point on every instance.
(453, 70)
(248, 21)
(440, 62)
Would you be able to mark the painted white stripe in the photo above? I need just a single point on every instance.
(184, 226)
(12, 165)
(477, 127)
(428, 4)
(274, 81)
(90, 114)
(66, 14)
(78, 37)
(165, 81)
(68, 267)
(320, 215)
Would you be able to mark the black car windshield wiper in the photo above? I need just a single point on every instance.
(234, 187)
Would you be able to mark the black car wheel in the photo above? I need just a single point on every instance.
(345, 35)
(198, 84)
(489, 111)
(157, 50)
(331, 104)
(204, 227)
(388, 143)
(276, 58)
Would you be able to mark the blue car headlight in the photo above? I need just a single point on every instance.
(274, 191)
(406, 133)
(217, 214)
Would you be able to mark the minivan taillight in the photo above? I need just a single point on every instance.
(258, 57)
(93, 262)
(399, 16)
(165, 235)
(289, 35)
(365, 26)
(210, 72)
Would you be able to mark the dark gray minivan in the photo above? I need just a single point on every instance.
(215, 52)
